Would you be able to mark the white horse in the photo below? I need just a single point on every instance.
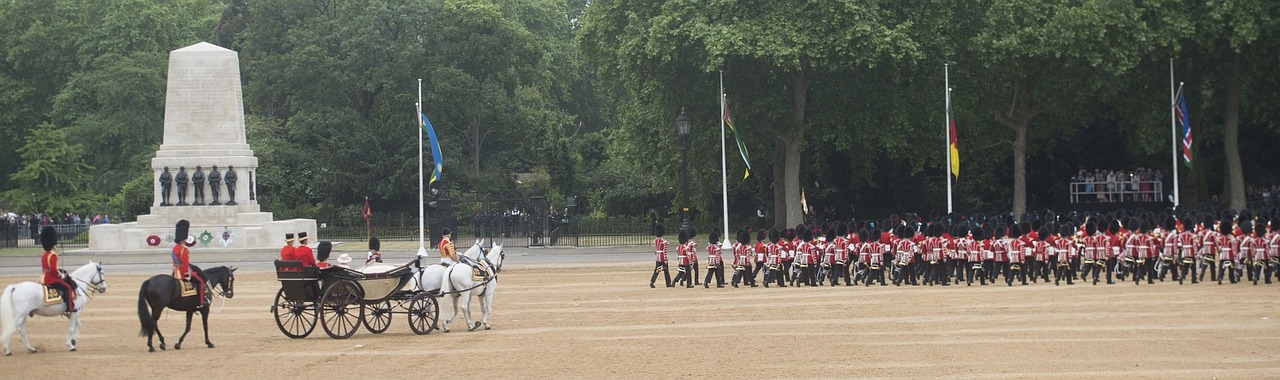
(26, 299)
(430, 277)
(458, 286)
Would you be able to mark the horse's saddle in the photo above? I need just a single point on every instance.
(480, 271)
(187, 288)
(52, 295)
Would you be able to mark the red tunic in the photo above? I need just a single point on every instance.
(714, 260)
(308, 259)
(682, 251)
(1015, 251)
(49, 268)
(181, 260)
(761, 250)
(286, 253)
(660, 250)
(742, 254)
(774, 256)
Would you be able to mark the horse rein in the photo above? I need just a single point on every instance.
(94, 284)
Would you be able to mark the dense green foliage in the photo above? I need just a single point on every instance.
(840, 101)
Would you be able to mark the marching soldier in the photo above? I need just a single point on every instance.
(742, 255)
(805, 252)
(773, 261)
(1170, 252)
(999, 248)
(904, 257)
(979, 250)
(682, 254)
(932, 249)
(840, 247)
(1063, 250)
(660, 260)
(1227, 247)
(1273, 250)
(1208, 248)
(873, 252)
(715, 263)
(1017, 252)
(692, 253)
(1255, 247)
(760, 251)
(1112, 244)
(1094, 257)
(957, 262)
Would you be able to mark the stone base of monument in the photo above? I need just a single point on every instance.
(213, 227)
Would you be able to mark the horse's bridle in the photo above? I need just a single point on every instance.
(95, 283)
(226, 289)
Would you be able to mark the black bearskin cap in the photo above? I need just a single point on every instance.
(684, 236)
(1114, 226)
(806, 235)
(959, 231)
(1090, 228)
(1207, 222)
(831, 234)
(714, 236)
(375, 244)
(1170, 223)
(48, 238)
(1246, 227)
(744, 237)
(658, 230)
(1224, 226)
(978, 233)
(863, 234)
(1065, 231)
(842, 229)
(182, 231)
(874, 237)
(1043, 233)
(773, 235)
(761, 235)
(322, 250)
(1015, 231)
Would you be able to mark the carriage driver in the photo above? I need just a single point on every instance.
(448, 256)
(49, 266)
(182, 260)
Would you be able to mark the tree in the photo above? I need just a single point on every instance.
(53, 174)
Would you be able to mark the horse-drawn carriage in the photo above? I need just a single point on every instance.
(341, 299)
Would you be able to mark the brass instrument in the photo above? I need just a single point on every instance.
(1015, 266)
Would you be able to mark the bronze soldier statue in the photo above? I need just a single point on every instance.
(214, 179)
(230, 178)
(197, 179)
(182, 185)
(166, 180)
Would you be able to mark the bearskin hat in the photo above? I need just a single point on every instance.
(1090, 228)
(978, 233)
(375, 244)
(761, 235)
(48, 238)
(831, 234)
(1015, 231)
(181, 231)
(658, 230)
(1065, 230)
(806, 235)
(322, 250)
(842, 229)
(773, 235)
(1170, 223)
(1113, 226)
(684, 236)
(693, 232)
(1246, 227)
(874, 236)
(863, 234)
(959, 231)
(714, 236)
(1225, 226)
(744, 237)
(1043, 233)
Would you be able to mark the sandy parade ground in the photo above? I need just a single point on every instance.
(589, 313)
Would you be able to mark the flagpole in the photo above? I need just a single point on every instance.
(1173, 129)
(367, 232)
(946, 131)
(724, 167)
(417, 119)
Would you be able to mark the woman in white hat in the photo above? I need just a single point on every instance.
(344, 260)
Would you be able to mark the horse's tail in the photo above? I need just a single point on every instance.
(7, 317)
(144, 316)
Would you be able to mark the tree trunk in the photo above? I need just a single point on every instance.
(475, 147)
(1231, 135)
(779, 183)
(793, 139)
(1020, 169)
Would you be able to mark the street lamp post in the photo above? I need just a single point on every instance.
(682, 128)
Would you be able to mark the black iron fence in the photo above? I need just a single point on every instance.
(19, 236)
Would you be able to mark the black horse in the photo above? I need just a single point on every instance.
(162, 291)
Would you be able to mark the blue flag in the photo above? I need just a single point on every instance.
(435, 148)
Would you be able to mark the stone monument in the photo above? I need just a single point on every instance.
(203, 127)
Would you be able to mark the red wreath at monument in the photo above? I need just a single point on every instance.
(153, 240)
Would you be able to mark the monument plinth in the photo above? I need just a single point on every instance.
(203, 133)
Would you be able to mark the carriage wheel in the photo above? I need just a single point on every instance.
(296, 319)
(378, 317)
(423, 312)
(341, 310)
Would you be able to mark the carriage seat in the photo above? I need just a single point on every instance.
(294, 270)
(388, 271)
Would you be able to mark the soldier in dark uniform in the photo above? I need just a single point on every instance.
(215, 179)
(181, 179)
(197, 181)
(166, 180)
(230, 178)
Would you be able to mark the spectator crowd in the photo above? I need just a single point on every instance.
(1110, 186)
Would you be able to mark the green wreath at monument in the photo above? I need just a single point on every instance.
(205, 238)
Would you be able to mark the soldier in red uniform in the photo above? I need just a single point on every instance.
(303, 252)
(840, 254)
(1062, 254)
(1227, 247)
(286, 252)
(51, 276)
(660, 258)
(182, 260)
(773, 261)
(761, 253)
(1016, 252)
(979, 251)
(1208, 248)
(874, 252)
(682, 254)
(742, 255)
(715, 262)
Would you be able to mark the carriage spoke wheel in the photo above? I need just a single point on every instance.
(341, 310)
(423, 312)
(296, 319)
(378, 317)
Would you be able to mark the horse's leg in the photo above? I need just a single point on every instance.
(204, 319)
(19, 325)
(155, 316)
(73, 330)
(466, 311)
(486, 305)
(184, 332)
(453, 301)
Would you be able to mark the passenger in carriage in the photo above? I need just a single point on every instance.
(286, 252)
(448, 256)
(324, 249)
(344, 260)
(49, 266)
(374, 256)
(303, 252)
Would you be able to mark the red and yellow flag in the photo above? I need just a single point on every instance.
(953, 145)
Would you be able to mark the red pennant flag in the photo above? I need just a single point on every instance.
(366, 213)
